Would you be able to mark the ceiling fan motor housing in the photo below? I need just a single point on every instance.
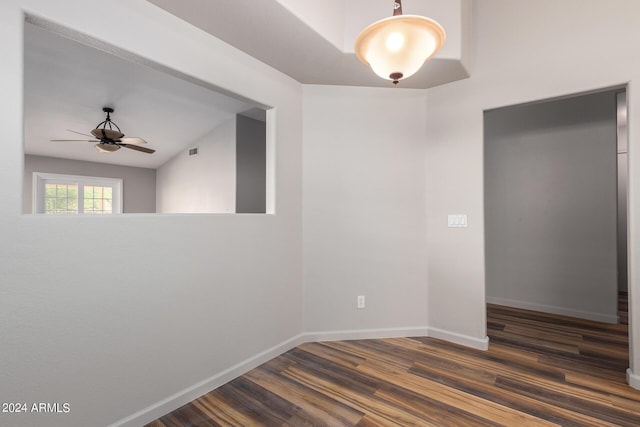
(108, 134)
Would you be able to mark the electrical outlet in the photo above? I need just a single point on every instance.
(360, 301)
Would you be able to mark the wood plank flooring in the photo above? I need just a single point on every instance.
(540, 370)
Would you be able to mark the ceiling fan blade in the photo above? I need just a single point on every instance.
(79, 133)
(73, 140)
(138, 148)
(132, 140)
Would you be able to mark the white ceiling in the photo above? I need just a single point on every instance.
(312, 40)
(67, 83)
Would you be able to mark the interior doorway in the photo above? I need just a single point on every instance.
(556, 206)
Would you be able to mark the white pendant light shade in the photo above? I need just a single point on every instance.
(398, 46)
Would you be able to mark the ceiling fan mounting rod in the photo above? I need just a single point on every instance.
(107, 121)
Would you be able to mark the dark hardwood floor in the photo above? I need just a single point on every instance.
(540, 370)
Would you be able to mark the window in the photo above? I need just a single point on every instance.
(56, 194)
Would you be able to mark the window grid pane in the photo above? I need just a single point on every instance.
(97, 200)
(61, 199)
(70, 194)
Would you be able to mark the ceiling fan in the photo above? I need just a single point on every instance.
(109, 139)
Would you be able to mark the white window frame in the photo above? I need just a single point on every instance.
(42, 178)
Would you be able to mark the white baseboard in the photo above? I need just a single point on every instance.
(418, 331)
(367, 334)
(563, 311)
(171, 403)
(633, 380)
(466, 340)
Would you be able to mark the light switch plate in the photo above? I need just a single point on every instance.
(457, 220)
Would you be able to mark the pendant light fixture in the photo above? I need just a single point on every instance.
(396, 47)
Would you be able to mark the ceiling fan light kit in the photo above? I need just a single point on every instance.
(106, 148)
(397, 47)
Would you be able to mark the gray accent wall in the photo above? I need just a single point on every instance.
(138, 184)
(550, 206)
(251, 172)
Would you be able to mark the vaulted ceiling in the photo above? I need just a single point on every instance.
(67, 84)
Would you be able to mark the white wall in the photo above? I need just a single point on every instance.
(524, 51)
(551, 206)
(205, 183)
(364, 211)
(177, 309)
(139, 184)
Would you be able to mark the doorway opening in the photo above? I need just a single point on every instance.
(556, 213)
